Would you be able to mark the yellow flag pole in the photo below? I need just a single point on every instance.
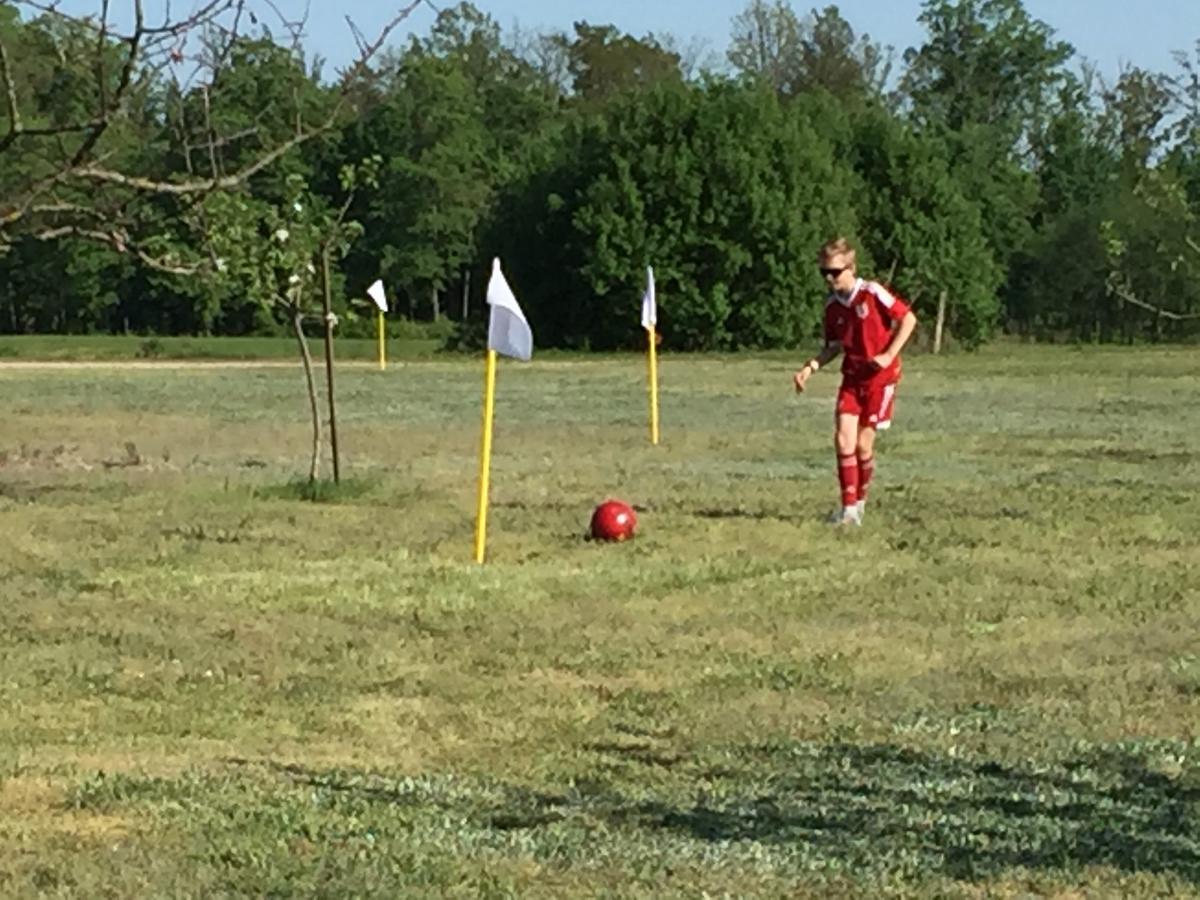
(382, 344)
(653, 359)
(485, 457)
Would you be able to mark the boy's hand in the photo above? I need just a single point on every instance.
(801, 378)
(883, 360)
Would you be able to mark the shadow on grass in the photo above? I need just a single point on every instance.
(966, 820)
(868, 810)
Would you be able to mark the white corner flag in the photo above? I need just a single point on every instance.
(508, 332)
(377, 294)
(650, 323)
(649, 304)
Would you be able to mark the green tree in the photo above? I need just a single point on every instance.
(1078, 159)
(279, 253)
(985, 81)
(984, 62)
(918, 221)
(67, 287)
(1058, 281)
(818, 52)
(1063, 282)
(421, 221)
(603, 62)
(514, 102)
(1137, 109)
(1185, 152)
(1005, 191)
(766, 43)
(719, 187)
(1153, 261)
(835, 59)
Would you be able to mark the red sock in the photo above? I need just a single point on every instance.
(848, 478)
(866, 468)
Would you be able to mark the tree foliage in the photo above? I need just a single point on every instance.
(794, 54)
(143, 177)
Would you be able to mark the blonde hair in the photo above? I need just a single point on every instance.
(839, 246)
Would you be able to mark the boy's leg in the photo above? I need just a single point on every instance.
(877, 415)
(845, 441)
(866, 463)
(849, 411)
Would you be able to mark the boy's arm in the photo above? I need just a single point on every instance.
(899, 338)
(827, 353)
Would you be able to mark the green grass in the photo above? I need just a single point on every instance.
(407, 343)
(214, 686)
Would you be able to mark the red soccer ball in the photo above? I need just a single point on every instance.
(613, 521)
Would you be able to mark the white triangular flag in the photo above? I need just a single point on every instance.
(649, 303)
(508, 332)
(377, 294)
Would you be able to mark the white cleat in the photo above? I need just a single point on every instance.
(861, 509)
(847, 515)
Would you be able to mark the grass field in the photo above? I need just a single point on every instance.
(213, 688)
(407, 342)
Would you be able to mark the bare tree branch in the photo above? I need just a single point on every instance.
(21, 207)
(10, 96)
(222, 56)
(302, 136)
(122, 87)
(213, 168)
(360, 40)
(101, 46)
(295, 28)
(207, 12)
(120, 242)
(49, 131)
(197, 186)
(368, 53)
(1127, 296)
(148, 50)
(71, 209)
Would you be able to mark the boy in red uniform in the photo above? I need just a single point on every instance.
(870, 326)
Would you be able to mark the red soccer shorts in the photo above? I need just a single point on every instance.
(873, 403)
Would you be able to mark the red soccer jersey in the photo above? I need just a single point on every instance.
(863, 325)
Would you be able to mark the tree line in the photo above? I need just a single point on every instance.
(201, 176)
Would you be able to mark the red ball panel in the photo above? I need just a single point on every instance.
(613, 521)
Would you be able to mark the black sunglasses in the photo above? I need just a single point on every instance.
(832, 273)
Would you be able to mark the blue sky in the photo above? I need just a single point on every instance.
(1107, 32)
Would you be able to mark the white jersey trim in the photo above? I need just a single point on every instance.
(884, 295)
(835, 297)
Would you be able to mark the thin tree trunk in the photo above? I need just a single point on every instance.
(436, 304)
(466, 294)
(315, 465)
(327, 291)
(940, 323)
